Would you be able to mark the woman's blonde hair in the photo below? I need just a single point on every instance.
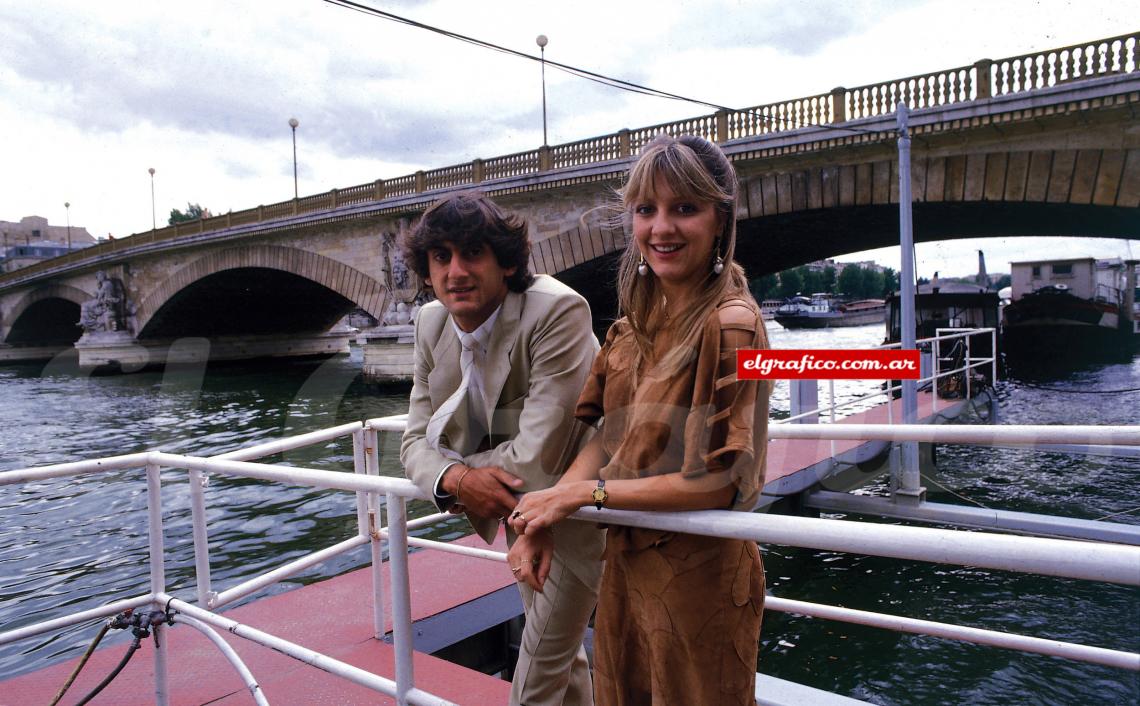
(694, 169)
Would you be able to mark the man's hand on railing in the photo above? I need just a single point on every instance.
(486, 491)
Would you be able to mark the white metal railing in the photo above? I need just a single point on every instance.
(1047, 556)
(942, 335)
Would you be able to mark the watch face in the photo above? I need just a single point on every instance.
(599, 495)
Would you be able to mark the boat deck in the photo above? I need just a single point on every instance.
(334, 617)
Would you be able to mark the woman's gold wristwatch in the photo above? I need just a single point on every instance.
(600, 495)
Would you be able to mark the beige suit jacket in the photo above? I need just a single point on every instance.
(540, 352)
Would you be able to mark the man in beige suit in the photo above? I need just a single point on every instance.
(500, 359)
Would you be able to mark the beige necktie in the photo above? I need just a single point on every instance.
(451, 404)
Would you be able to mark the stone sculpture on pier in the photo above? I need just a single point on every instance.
(108, 310)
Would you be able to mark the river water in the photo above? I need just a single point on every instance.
(67, 545)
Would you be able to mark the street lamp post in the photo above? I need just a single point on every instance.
(293, 123)
(153, 218)
(67, 207)
(541, 41)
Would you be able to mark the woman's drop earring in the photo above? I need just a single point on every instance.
(643, 269)
(718, 261)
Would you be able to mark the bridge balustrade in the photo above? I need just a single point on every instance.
(444, 177)
(400, 186)
(361, 193)
(590, 151)
(1072, 63)
(922, 91)
(511, 165)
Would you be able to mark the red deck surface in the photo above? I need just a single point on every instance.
(333, 617)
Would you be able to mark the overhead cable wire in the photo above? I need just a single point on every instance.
(583, 73)
(610, 81)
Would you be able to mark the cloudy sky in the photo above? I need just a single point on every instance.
(92, 94)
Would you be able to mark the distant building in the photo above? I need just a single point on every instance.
(32, 239)
(821, 265)
(865, 264)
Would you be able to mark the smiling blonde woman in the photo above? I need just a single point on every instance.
(678, 616)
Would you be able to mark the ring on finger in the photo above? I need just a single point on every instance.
(516, 515)
(516, 569)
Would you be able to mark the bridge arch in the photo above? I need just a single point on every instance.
(350, 283)
(48, 291)
(56, 310)
(797, 214)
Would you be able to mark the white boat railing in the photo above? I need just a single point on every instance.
(1094, 561)
(942, 335)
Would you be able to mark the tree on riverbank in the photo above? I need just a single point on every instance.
(854, 281)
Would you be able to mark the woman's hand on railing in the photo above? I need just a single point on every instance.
(541, 509)
(530, 558)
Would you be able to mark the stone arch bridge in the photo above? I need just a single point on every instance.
(1040, 144)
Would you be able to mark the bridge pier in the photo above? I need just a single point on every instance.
(115, 352)
(389, 354)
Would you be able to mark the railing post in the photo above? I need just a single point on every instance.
(380, 189)
(368, 519)
(936, 353)
(260, 213)
(804, 397)
(376, 523)
(839, 104)
(906, 484)
(401, 595)
(721, 125)
(831, 402)
(993, 357)
(334, 195)
(157, 575)
(295, 205)
(544, 160)
(982, 79)
(360, 452)
(202, 579)
(969, 366)
(623, 143)
(421, 182)
(476, 170)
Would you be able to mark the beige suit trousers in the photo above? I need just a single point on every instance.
(552, 638)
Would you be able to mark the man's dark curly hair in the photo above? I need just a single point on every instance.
(467, 219)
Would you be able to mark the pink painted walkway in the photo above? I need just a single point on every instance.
(333, 617)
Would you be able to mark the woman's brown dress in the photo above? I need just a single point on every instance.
(678, 618)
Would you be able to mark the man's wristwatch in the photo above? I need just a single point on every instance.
(600, 495)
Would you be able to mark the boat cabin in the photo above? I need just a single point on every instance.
(950, 305)
(1082, 277)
